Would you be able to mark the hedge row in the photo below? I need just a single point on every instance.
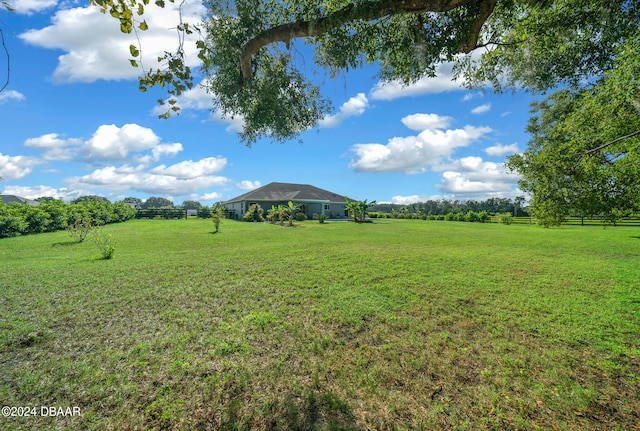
(52, 215)
(469, 216)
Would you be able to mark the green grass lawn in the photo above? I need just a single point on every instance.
(388, 325)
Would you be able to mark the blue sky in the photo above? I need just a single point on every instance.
(74, 123)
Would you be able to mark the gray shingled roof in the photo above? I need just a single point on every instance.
(279, 192)
(7, 199)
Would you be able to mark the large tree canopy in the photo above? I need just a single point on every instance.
(247, 51)
(584, 155)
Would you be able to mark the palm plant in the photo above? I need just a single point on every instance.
(290, 211)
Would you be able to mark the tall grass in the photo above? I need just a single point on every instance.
(389, 325)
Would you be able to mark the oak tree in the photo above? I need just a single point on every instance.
(584, 155)
(247, 49)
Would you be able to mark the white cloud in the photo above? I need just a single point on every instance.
(412, 199)
(110, 142)
(235, 124)
(9, 95)
(421, 122)
(130, 142)
(190, 169)
(158, 152)
(97, 49)
(30, 6)
(468, 97)
(123, 179)
(35, 192)
(473, 175)
(54, 146)
(248, 185)
(213, 196)
(414, 154)
(443, 82)
(353, 107)
(16, 167)
(501, 150)
(481, 109)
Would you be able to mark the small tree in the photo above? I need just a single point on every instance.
(80, 227)
(217, 215)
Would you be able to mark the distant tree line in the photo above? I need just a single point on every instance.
(492, 206)
(155, 206)
(52, 215)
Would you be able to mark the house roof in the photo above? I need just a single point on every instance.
(280, 192)
(7, 199)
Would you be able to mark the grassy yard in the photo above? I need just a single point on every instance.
(389, 325)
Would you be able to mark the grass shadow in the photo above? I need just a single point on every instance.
(315, 410)
(65, 243)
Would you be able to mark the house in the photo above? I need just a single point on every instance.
(312, 200)
(7, 199)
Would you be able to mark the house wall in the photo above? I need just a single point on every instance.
(237, 208)
(336, 210)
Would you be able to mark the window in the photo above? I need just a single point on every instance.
(327, 207)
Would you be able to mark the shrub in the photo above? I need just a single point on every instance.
(300, 216)
(254, 213)
(105, 242)
(57, 211)
(37, 220)
(505, 218)
(471, 217)
(273, 215)
(321, 217)
(11, 222)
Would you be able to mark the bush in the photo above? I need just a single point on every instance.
(11, 222)
(254, 213)
(321, 217)
(105, 242)
(300, 216)
(58, 214)
(505, 218)
(36, 219)
(471, 217)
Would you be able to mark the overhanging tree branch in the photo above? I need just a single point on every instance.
(608, 144)
(366, 11)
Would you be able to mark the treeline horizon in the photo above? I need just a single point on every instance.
(445, 206)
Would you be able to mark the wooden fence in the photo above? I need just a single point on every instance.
(579, 221)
